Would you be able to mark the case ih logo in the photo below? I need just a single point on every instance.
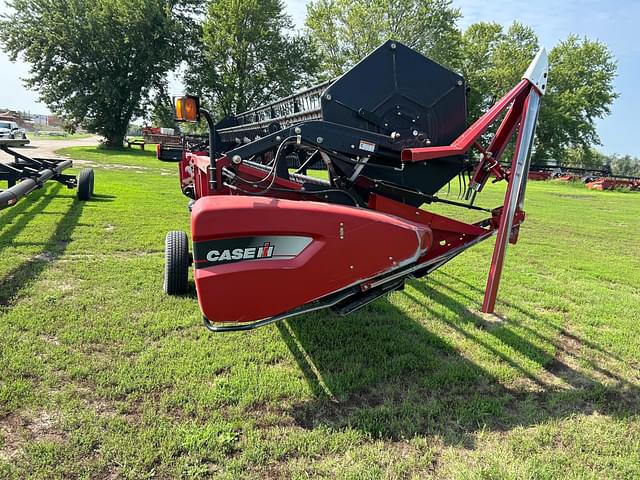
(210, 253)
(250, 253)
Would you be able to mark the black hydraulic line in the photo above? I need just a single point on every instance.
(212, 148)
(435, 199)
(272, 171)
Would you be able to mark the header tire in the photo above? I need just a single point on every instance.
(176, 263)
(85, 184)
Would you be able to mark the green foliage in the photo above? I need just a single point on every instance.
(93, 62)
(585, 158)
(162, 111)
(625, 165)
(344, 31)
(580, 90)
(492, 59)
(245, 55)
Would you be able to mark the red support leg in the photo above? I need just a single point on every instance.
(514, 198)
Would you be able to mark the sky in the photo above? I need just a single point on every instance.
(613, 22)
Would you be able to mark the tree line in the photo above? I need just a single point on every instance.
(101, 63)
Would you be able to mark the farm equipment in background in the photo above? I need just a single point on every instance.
(391, 132)
(593, 178)
(157, 135)
(613, 183)
(26, 174)
(169, 144)
(171, 149)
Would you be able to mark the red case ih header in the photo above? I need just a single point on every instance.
(391, 132)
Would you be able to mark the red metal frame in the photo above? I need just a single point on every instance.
(464, 142)
(511, 215)
(505, 231)
(449, 235)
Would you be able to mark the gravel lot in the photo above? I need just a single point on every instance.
(46, 148)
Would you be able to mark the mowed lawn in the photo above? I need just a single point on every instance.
(103, 376)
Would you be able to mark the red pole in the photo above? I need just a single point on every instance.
(514, 197)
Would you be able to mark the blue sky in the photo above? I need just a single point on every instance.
(613, 22)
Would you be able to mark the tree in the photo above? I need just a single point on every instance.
(245, 56)
(162, 111)
(625, 165)
(494, 61)
(93, 62)
(580, 87)
(580, 90)
(344, 31)
(585, 158)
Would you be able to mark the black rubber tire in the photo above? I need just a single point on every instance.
(176, 263)
(85, 184)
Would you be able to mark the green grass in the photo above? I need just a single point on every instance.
(68, 136)
(102, 376)
(123, 158)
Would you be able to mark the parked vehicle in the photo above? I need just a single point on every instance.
(12, 130)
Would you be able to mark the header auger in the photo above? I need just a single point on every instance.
(270, 243)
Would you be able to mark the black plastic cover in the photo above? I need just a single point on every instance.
(396, 89)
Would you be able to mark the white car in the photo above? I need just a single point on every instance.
(11, 130)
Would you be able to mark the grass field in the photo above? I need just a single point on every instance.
(103, 376)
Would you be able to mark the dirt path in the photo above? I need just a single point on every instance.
(46, 148)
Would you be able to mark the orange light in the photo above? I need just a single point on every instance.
(187, 108)
(191, 110)
(180, 109)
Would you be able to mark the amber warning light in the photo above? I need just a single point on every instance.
(187, 108)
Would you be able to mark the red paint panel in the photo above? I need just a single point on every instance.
(372, 243)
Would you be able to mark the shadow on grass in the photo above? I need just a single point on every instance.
(19, 216)
(101, 198)
(383, 373)
(191, 291)
(23, 274)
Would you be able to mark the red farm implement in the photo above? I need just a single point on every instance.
(613, 183)
(539, 175)
(26, 174)
(269, 243)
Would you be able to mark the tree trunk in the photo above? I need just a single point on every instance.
(115, 140)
